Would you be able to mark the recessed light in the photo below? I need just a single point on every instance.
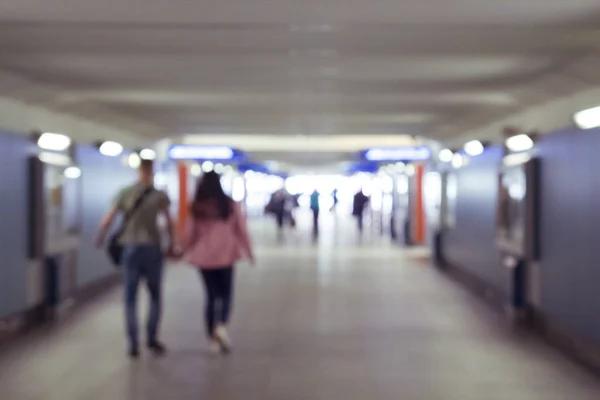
(474, 148)
(111, 149)
(54, 141)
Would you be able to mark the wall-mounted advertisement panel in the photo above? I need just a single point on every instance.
(517, 209)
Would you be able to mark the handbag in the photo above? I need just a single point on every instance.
(114, 248)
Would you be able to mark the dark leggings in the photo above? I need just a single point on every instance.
(219, 293)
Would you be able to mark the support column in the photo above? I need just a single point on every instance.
(183, 210)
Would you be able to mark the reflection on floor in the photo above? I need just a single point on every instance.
(341, 319)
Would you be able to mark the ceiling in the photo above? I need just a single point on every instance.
(289, 68)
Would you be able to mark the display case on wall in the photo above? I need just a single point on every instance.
(517, 211)
(55, 221)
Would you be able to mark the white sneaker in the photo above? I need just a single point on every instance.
(223, 338)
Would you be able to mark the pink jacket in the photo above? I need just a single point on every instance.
(213, 243)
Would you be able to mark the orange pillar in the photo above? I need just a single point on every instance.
(183, 211)
(419, 211)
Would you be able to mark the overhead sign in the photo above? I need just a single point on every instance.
(408, 153)
(192, 152)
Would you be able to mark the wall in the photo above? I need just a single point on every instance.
(470, 244)
(102, 178)
(569, 269)
(14, 150)
(570, 231)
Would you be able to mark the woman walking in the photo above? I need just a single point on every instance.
(216, 239)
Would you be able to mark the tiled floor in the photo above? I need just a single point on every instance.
(341, 319)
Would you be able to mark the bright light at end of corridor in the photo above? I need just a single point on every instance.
(54, 141)
(111, 149)
(208, 166)
(445, 156)
(473, 148)
(196, 170)
(519, 143)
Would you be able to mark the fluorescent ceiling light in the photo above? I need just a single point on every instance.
(219, 168)
(72, 173)
(445, 155)
(473, 148)
(61, 160)
(519, 143)
(192, 152)
(148, 154)
(111, 149)
(588, 119)
(457, 160)
(54, 141)
(134, 161)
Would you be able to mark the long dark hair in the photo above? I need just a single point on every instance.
(210, 201)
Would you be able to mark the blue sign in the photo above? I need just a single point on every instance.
(369, 168)
(390, 154)
(206, 153)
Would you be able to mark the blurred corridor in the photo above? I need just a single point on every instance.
(335, 320)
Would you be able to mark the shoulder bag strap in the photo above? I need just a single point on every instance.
(138, 202)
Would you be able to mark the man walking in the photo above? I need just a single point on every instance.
(142, 257)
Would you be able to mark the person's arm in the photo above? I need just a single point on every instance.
(242, 231)
(169, 222)
(108, 219)
(104, 225)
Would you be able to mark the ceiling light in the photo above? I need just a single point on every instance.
(519, 143)
(208, 166)
(72, 173)
(457, 160)
(219, 168)
(410, 170)
(445, 156)
(148, 154)
(588, 119)
(54, 141)
(111, 149)
(134, 161)
(55, 159)
(196, 170)
(474, 148)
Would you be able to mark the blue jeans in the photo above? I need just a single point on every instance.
(142, 262)
(219, 293)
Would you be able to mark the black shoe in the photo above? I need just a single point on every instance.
(157, 348)
(134, 354)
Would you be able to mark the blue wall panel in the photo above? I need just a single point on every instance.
(570, 231)
(14, 150)
(470, 245)
(102, 178)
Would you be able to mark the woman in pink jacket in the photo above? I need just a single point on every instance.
(217, 238)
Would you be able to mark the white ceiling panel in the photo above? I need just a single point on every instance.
(430, 68)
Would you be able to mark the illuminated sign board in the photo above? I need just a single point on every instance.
(190, 152)
(412, 153)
